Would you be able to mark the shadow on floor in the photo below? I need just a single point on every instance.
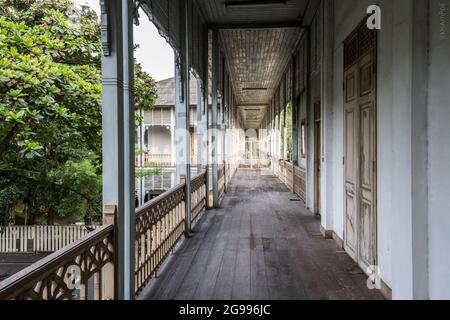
(261, 244)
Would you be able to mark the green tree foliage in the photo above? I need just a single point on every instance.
(50, 109)
(289, 131)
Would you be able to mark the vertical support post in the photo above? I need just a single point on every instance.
(223, 126)
(141, 158)
(205, 116)
(200, 126)
(326, 177)
(107, 274)
(279, 140)
(188, 136)
(180, 121)
(295, 114)
(215, 61)
(207, 182)
(309, 126)
(187, 204)
(173, 149)
(129, 132)
(187, 141)
(286, 109)
(118, 135)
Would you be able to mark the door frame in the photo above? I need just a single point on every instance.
(317, 112)
(374, 245)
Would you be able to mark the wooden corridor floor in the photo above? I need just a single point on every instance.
(259, 245)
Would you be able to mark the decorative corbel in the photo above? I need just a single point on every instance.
(105, 27)
(180, 83)
(136, 5)
(205, 102)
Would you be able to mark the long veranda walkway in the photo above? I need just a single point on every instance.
(261, 244)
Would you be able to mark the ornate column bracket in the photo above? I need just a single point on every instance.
(105, 27)
(136, 5)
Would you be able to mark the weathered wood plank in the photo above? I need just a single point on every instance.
(260, 245)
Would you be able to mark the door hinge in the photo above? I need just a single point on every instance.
(343, 161)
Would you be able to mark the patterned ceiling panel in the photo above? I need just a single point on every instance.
(217, 12)
(252, 115)
(257, 60)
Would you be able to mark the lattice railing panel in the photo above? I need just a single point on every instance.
(198, 195)
(159, 226)
(67, 273)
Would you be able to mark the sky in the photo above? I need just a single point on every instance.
(154, 53)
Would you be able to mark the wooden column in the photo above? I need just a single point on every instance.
(295, 114)
(182, 110)
(223, 126)
(200, 125)
(108, 284)
(118, 135)
(214, 137)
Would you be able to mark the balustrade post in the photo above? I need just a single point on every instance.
(214, 103)
(108, 271)
(224, 176)
(187, 207)
(207, 182)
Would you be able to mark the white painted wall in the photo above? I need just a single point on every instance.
(393, 146)
(398, 249)
(439, 151)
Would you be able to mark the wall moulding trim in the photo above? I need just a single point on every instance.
(385, 290)
(327, 234)
(338, 240)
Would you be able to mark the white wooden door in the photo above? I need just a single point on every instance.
(351, 163)
(360, 232)
(367, 158)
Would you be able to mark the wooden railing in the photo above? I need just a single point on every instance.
(163, 160)
(299, 182)
(160, 224)
(289, 175)
(294, 177)
(71, 273)
(198, 195)
(88, 262)
(159, 160)
(39, 238)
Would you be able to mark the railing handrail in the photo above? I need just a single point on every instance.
(25, 282)
(44, 267)
(144, 208)
(198, 176)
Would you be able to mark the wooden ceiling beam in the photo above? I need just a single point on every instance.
(257, 25)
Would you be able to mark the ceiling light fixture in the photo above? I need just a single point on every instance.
(254, 89)
(234, 3)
